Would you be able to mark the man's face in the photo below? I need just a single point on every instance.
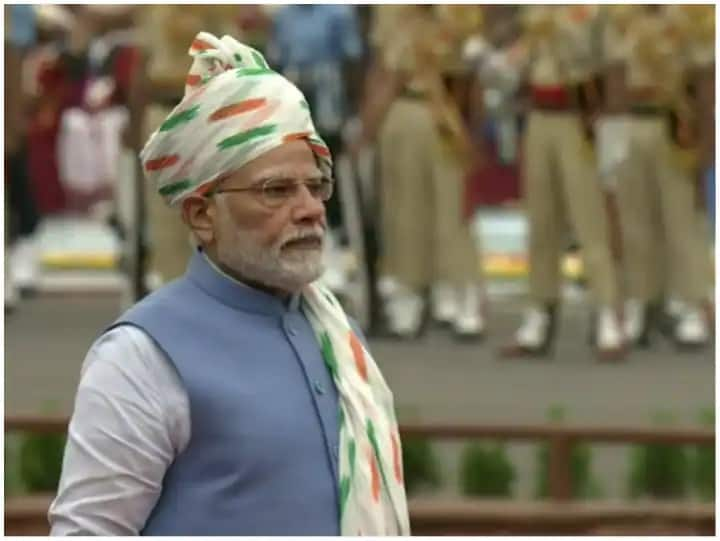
(277, 245)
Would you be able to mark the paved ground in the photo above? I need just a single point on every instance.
(434, 378)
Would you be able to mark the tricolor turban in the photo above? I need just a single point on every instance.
(235, 108)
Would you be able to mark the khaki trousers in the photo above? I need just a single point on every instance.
(662, 242)
(561, 188)
(425, 237)
(170, 247)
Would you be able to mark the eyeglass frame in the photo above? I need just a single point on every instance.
(259, 189)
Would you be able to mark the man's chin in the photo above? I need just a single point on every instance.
(295, 276)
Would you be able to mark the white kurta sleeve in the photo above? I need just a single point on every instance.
(130, 421)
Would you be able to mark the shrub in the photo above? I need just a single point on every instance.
(584, 485)
(703, 462)
(40, 461)
(485, 470)
(13, 481)
(658, 470)
(420, 465)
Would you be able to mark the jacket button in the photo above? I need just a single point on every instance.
(319, 387)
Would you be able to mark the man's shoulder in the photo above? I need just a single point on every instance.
(176, 289)
(122, 348)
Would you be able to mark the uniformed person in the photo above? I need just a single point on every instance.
(561, 185)
(424, 154)
(664, 252)
(166, 31)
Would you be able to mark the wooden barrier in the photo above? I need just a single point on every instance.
(27, 515)
(493, 517)
(561, 438)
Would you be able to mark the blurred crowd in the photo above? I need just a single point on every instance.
(596, 121)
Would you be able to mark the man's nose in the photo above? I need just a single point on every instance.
(306, 207)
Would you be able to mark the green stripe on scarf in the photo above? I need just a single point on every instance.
(351, 457)
(259, 60)
(329, 355)
(376, 447)
(244, 137)
(175, 187)
(344, 493)
(243, 72)
(180, 118)
(345, 482)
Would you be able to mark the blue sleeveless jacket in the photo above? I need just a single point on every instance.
(263, 452)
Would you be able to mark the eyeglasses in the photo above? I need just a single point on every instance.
(275, 192)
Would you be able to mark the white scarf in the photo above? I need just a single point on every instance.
(372, 492)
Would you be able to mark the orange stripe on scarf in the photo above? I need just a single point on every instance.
(193, 80)
(161, 163)
(237, 108)
(296, 136)
(261, 115)
(200, 45)
(357, 350)
(375, 476)
(322, 151)
(396, 458)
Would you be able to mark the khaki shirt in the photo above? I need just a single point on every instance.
(407, 39)
(167, 32)
(563, 43)
(661, 47)
(422, 43)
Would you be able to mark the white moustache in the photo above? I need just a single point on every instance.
(303, 234)
(313, 233)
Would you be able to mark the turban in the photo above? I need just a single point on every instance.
(235, 108)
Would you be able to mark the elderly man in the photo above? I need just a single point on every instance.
(238, 399)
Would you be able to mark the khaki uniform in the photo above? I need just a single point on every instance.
(662, 243)
(167, 33)
(561, 184)
(424, 153)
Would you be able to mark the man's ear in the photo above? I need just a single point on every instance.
(199, 214)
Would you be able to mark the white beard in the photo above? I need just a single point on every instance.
(289, 270)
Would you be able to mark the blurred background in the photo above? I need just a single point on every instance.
(429, 243)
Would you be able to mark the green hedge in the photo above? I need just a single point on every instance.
(703, 462)
(584, 485)
(658, 470)
(33, 462)
(40, 461)
(421, 468)
(486, 470)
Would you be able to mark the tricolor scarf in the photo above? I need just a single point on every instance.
(372, 492)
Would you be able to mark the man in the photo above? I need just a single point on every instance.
(560, 185)
(657, 193)
(424, 153)
(236, 400)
